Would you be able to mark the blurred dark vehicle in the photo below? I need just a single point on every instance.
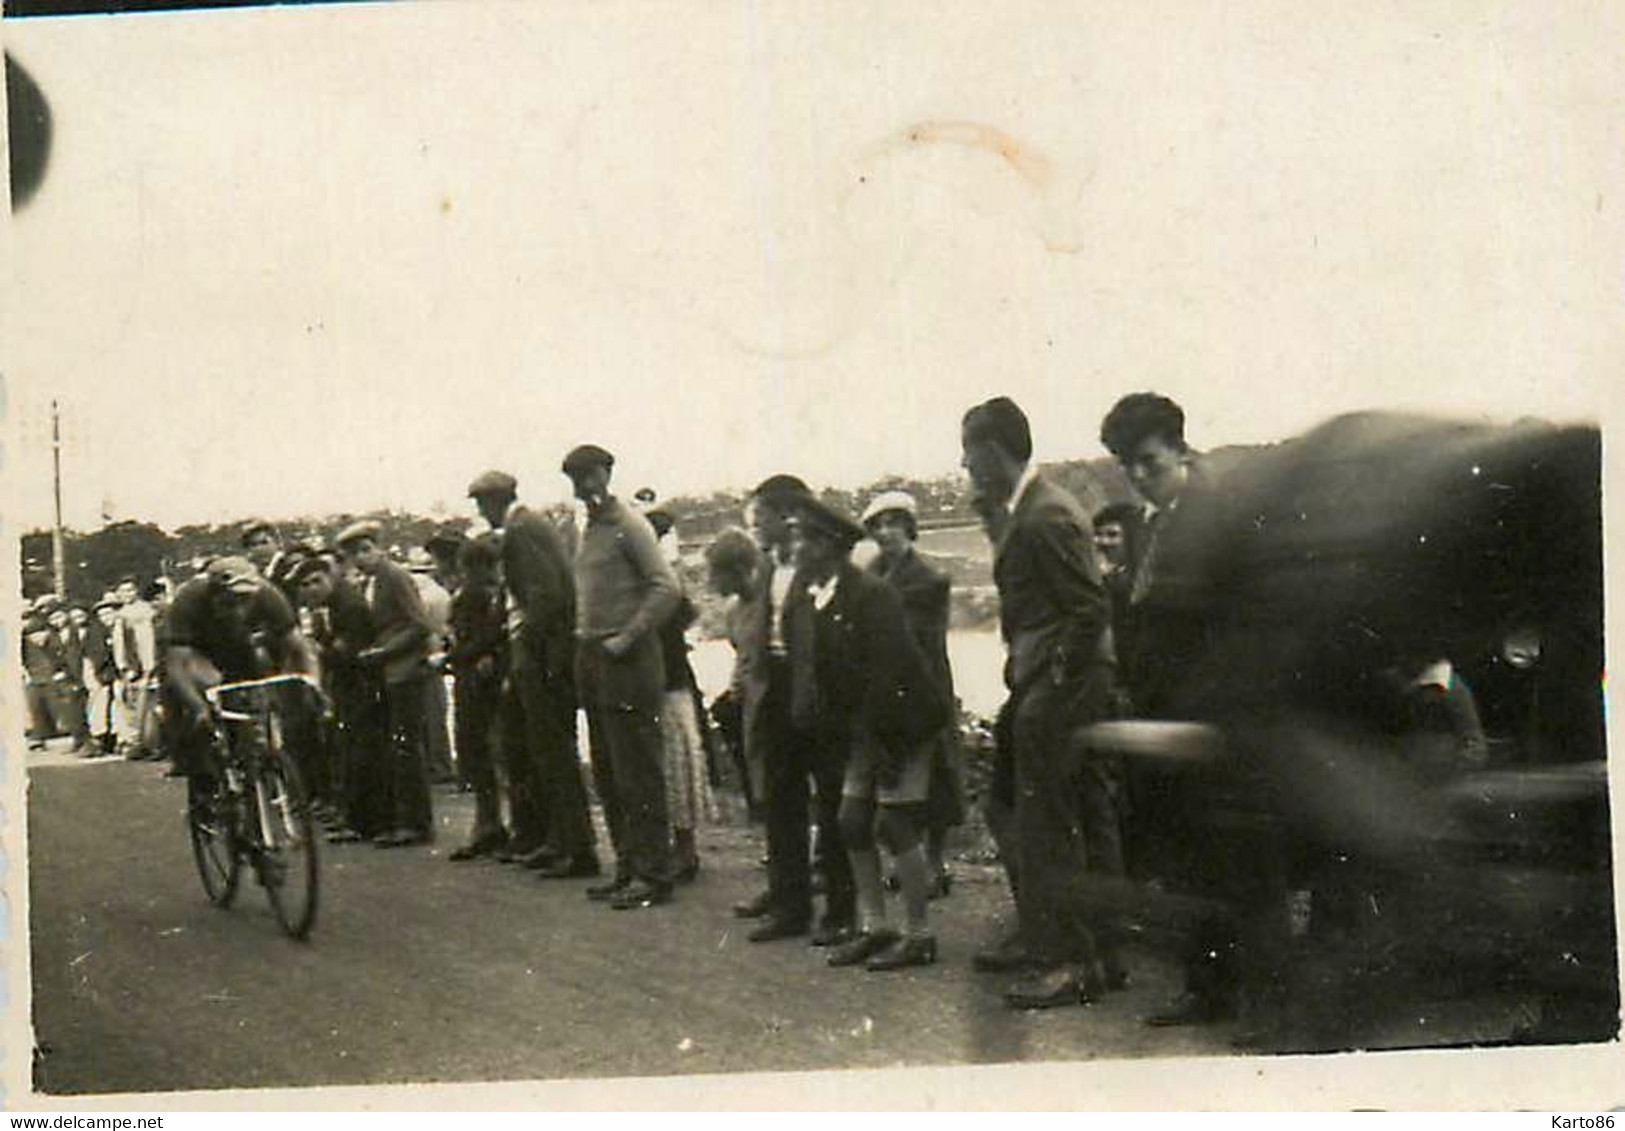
(1358, 881)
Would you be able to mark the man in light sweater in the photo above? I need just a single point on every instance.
(625, 590)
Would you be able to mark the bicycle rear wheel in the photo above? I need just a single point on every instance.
(289, 868)
(211, 819)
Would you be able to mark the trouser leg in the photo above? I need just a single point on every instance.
(1049, 826)
(474, 714)
(840, 891)
(785, 778)
(409, 772)
(550, 726)
(526, 804)
(633, 732)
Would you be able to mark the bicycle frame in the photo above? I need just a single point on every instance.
(216, 697)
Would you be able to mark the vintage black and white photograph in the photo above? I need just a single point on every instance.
(580, 542)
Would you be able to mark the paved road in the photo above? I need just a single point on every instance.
(425, 970)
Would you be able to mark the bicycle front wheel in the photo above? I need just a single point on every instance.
(288, 863)
(210, 817)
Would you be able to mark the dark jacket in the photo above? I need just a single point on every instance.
(861, 668)
(924, 591)
(1053, 608)
(71, 643)
(478, 630)
(99, 652)
(538, 575)
(1167, 625)
(403, 627)
(344, 628)
(43, 661)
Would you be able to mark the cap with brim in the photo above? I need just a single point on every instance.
(308, 569)
(257, 526)
(493, 483)
(235, 575)
(357, 531)
(419, 560)
(888, 501)
(815, 516)
(105, 603)
(780, 489)
(585, 456)
(449, 538)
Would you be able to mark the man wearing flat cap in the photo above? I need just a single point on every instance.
(547, 801)
(399, 652)
(892, 520)
(625, 591)
(1052, 800)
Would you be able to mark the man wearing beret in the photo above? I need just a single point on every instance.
(1055, 617)
(547, 802)
(892, 520)
(625, 590)
(400, 653)
(861, 687)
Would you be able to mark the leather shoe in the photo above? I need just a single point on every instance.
(1065, 985)
(515, 852)
(344, 836)
(1191, 1009)
(488, 845)
(755, 908)
(543, 857)
(1004, 958)
(603, 893)
(401, 838)
(832, 933)
(915, 950)
(640, 894)
(861, 947)
(774, 927)
(570, 868)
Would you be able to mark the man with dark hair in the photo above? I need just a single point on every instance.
(261, 543)
(547, 802)
(783, 749)
(342, 627)
(477, 658)
(892, 520)
(1056, 621)
(1165, 628)
(400, 653)
(625, 590)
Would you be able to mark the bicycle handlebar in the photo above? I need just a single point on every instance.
(213, 694)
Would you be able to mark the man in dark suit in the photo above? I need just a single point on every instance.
(101, 674)
(40, 668)
(892, 520)
(1167, 627)
(547, 801)
(783, 747)
(343, 629)
(865, 692)
(1056, 620)
(399, 653)
(72, 697)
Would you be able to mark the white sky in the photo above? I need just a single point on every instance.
(320, 259)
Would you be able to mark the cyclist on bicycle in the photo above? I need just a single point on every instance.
(225, 625)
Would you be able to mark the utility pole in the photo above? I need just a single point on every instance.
(58, 556)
